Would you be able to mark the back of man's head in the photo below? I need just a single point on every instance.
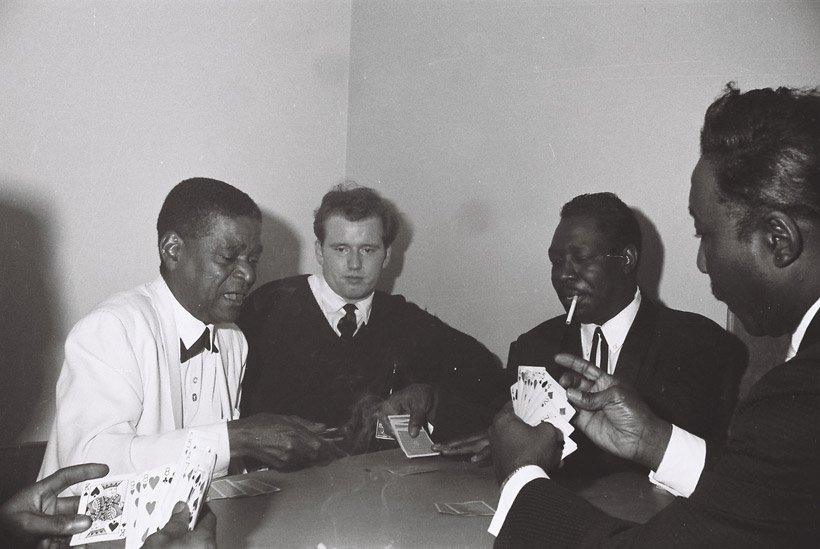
(764, 147)
(193, 203)
(612, 216)
(356, 203)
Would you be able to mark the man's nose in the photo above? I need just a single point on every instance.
(354, 261)
(246, 271)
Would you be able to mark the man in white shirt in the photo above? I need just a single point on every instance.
(149, 364)
(755, 202)
(685, 366)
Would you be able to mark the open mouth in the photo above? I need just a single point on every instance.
(235, 297)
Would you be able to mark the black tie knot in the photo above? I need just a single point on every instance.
(347, 324)
(201, 344)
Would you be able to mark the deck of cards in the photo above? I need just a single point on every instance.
(412, 447)
(132, 507)
(537, 397)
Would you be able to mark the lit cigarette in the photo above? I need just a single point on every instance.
(572, 309)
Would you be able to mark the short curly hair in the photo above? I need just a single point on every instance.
(764, 147)
(192, 204)
(613, 217)
(355, 203)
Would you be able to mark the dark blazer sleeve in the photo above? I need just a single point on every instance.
(762, 491)
(467, 376)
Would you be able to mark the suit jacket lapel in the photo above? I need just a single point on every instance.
(571, 341)
(641, 343)
(169, 342)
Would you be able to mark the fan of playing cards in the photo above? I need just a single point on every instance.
(135, 506)
(537, 397)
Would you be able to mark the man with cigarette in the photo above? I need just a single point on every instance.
(755, 201)
(685, 366)
(329, 347)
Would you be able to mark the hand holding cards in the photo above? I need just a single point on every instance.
(135, 506)
(537, 397)
(412, 447)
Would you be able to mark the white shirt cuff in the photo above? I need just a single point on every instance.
(682, 463)
(510, 491)
(223, 448)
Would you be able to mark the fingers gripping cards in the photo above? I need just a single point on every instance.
(132, 507)
(537, 397)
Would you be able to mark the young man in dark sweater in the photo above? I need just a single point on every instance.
(330, 348)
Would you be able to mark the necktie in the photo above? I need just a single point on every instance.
(201, 344)
(347, 324)
(599, 339)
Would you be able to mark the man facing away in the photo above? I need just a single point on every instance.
(755, 200)
(149, 364)
(684, 365)
(331, 348)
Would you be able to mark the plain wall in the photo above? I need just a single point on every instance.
(104, 106)
(480, 119)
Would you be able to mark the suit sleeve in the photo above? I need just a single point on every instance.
(100, 402)
(762, 491)
(466, 375)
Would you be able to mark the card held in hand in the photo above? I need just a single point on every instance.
(104, 500)
(412, 447)
(537, 397)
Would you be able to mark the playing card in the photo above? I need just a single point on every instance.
(413, 469)
(381, 433)
(541, 398)
(237, 486)
(465, 509)
(146, 494)
(412, 447)
(104, 501)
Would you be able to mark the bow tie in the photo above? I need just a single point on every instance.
(201, 344)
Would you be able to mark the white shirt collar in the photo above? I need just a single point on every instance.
(189, 328)
(616, 328)
(797, 336)
(332, 303)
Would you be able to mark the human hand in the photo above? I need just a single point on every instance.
(613, 415)
(476, 446)
(175, 534)
(37, 512)
(282, 442)
(516, 444)
(417, 399)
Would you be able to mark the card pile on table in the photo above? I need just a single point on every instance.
(412, 447)
(537, 397)
(132, 507)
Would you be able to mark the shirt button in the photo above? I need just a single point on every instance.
(196, 379)
(193, 397)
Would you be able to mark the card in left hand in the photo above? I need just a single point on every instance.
(104, 500)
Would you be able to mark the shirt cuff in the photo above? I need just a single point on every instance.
(223, 448)
(682, 463)
(510, 491)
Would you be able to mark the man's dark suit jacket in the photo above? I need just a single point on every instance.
(684, 366)
(762, 489)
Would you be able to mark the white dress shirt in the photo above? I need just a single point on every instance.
(332, 304)
(615, 331)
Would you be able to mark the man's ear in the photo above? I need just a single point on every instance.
(783, 237)
(171, 247)
(386, 257)
(630, 255)
(317, 250)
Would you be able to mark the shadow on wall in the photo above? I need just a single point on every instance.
(281, 250)
(391, 272)
(651, 261)
(28, 329)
